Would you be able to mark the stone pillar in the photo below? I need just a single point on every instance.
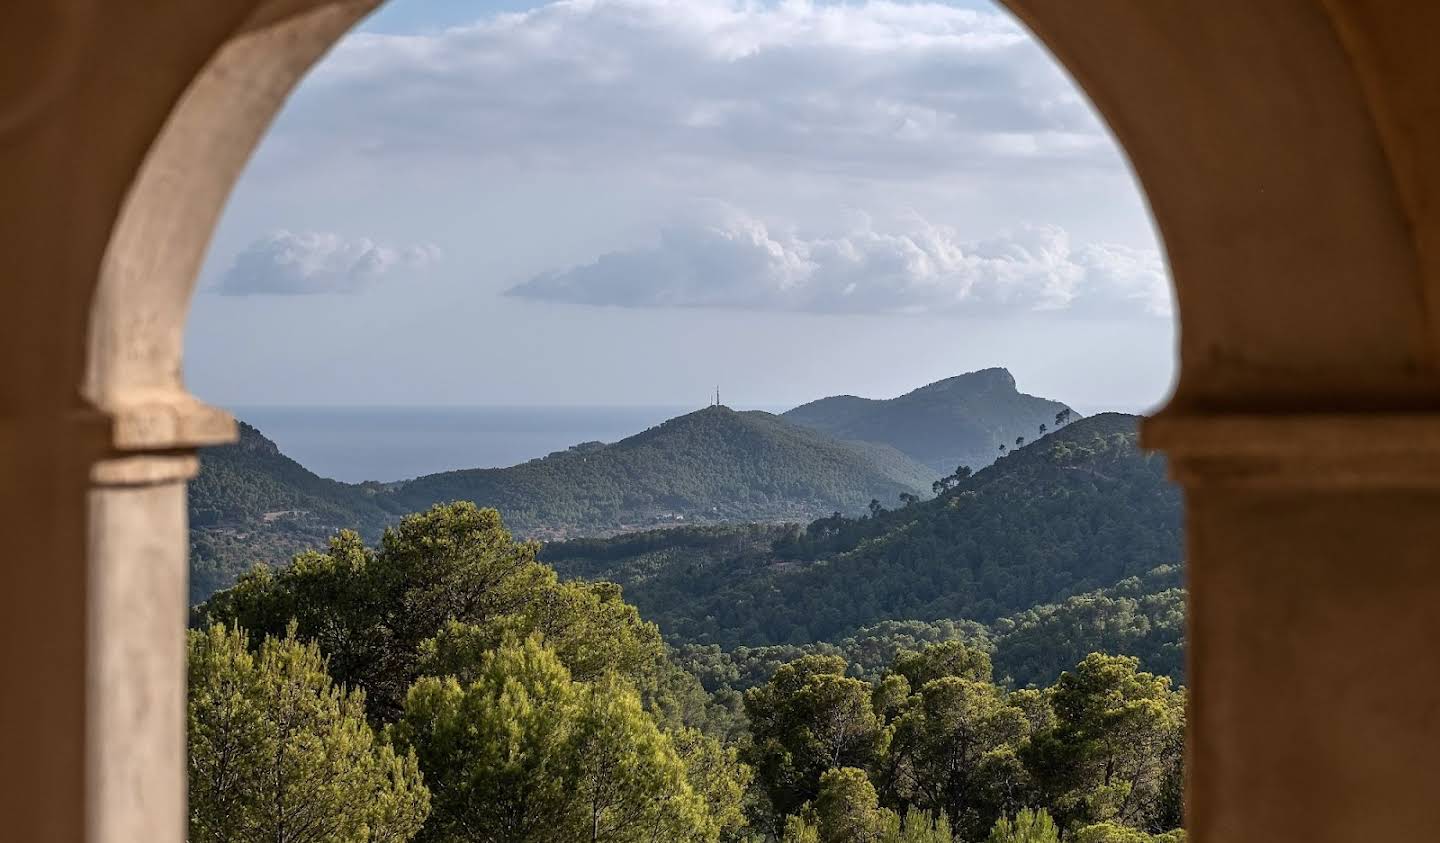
(92, 623)
(1314, 576)
(123, 127)
(135, 726)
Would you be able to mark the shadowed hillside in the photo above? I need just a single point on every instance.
(251, 502)
(958, 421)
(1079, 510)
(714, 463)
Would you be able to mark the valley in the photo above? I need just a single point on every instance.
(251, 502)
(704, 601)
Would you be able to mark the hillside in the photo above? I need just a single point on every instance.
(1140, 616)
(956, 421)
(251, 502)
(1040, 570)
(713, 464)
(1079, 510)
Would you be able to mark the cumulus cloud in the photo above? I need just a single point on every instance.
(306, 263)
(870, 88)
(733, 260)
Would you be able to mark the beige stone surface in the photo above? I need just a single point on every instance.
(1313, 690)
(135, 711)
(1290, 151)
(122, 128)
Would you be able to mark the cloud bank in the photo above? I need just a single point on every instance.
(308, 263)
(871, 88)
(736, 261)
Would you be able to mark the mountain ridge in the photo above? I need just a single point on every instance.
(704, 454)
(251, 502)
(1079, 510)
(960, 420)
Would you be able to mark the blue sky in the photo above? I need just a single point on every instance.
(409, 16)
(628, 201)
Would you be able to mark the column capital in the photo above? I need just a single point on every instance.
(153, 436)
(1298, 450)
(167, 421)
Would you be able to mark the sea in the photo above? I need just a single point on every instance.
(354, 444)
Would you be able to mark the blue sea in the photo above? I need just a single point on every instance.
(397, 443)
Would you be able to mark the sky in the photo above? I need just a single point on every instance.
(629, 202)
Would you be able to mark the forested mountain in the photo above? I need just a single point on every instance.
(715, 463)
(958, 421)
(1142, 616)
(997, 664)
(250, 502)
(445, 685)
(1078, 510)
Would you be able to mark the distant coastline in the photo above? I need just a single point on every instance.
(359, 443)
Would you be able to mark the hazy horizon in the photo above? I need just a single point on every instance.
(392, 443)
(624, 202)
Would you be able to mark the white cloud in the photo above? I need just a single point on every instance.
(873, 89)
(733, 260)
(288, 263)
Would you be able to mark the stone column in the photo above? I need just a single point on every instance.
(92, 621)
(135, 709)
(113, 179)
(1314, 625)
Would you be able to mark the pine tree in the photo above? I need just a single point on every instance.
(1111, 833)
(808, 718)
(847, 809)
(279, 753)
(944, 746)
(525, 754)
(631, 784)
(1027, 827)
(1116, 740)
(452, 573)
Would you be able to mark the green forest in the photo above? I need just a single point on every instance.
(827, 641)
(1079, 511)
(1141, 616)
(715, 463)
(251, 502)
(444, 684)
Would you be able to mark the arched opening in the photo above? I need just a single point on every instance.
(1285, 152)
(1033, 299)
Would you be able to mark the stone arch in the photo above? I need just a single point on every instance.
(1228, 163)
(117, 148)
(137, 318)
(1240, 121)
(1287, 149)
